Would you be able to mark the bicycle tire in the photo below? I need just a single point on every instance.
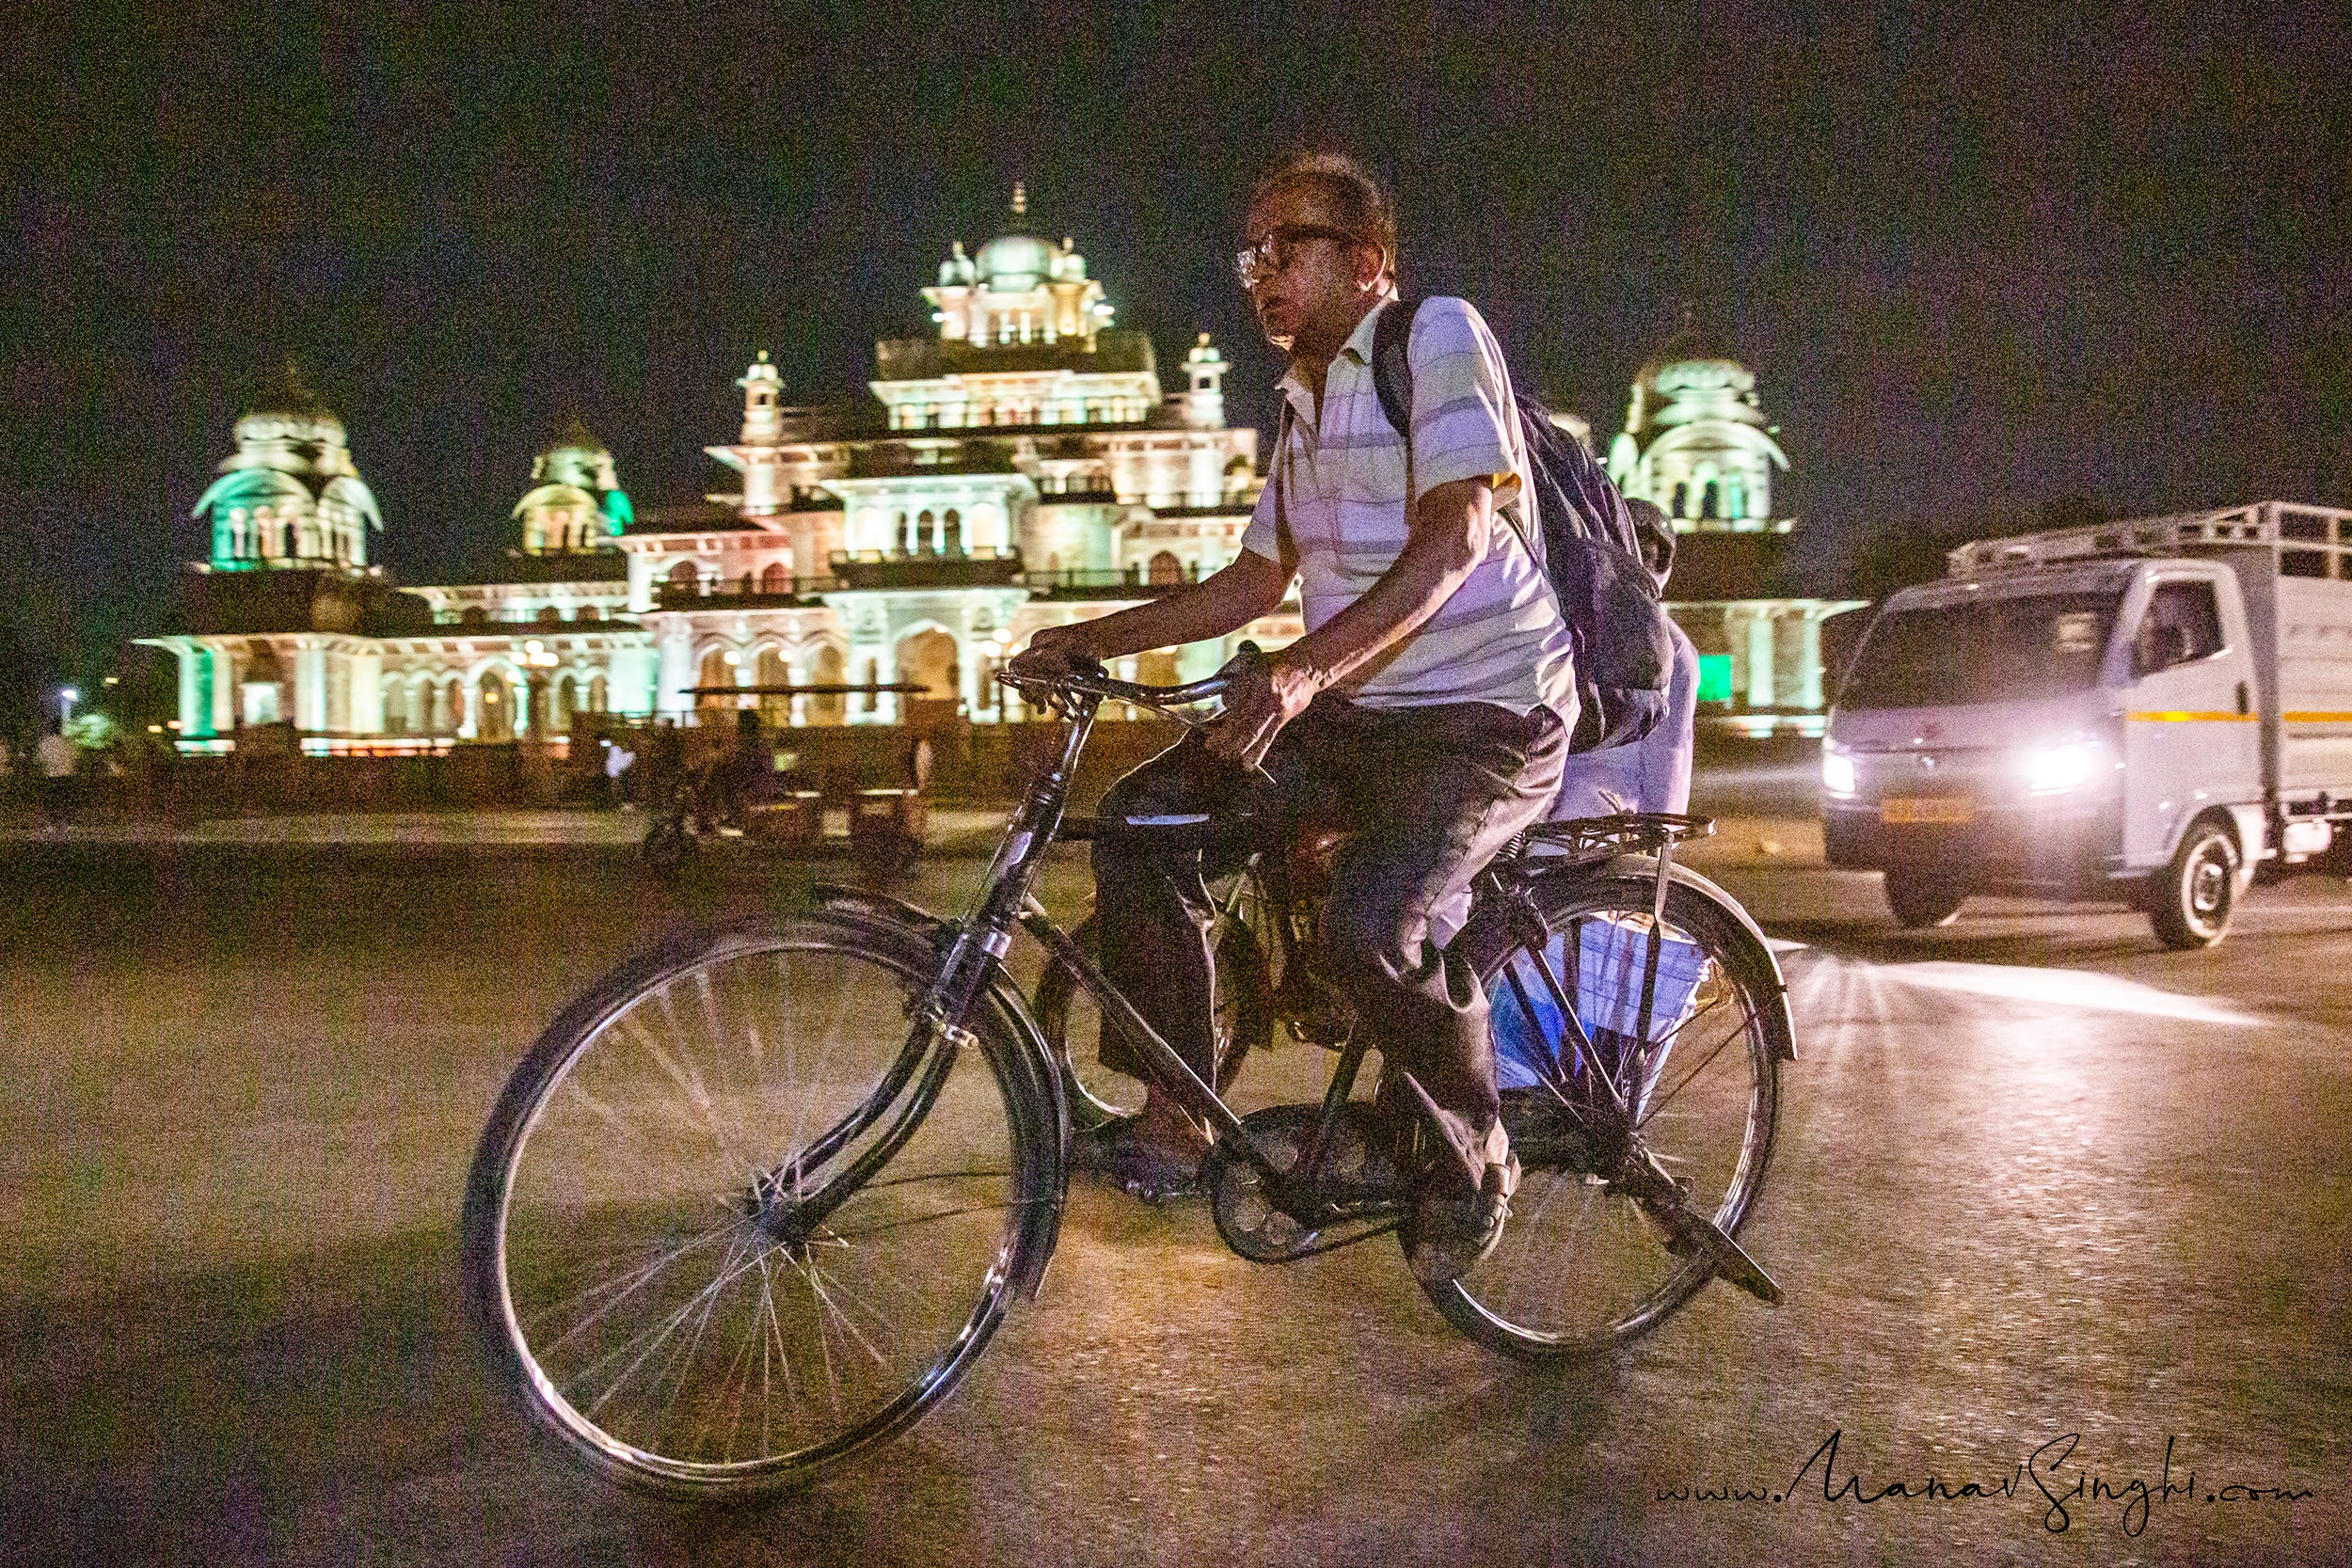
(1581, 1270)
(1072, 1024)
(646, 1147)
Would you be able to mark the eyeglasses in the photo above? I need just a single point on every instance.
(1272, 255)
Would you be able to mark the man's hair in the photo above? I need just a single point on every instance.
(1357, 198)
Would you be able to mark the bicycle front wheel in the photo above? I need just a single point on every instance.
(634, 1246)
(1582, 1267)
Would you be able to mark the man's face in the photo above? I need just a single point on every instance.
(1311, 282)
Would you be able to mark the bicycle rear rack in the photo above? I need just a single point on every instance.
(1626, 834)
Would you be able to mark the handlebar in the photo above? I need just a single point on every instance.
(1162, 699)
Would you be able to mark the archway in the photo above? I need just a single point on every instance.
(597, 695)
(828, 669)
(776, 579)
(928, 657)
(775, 708)
(714, 670)
(560, 700)
(494, 712)
(686, 577)
(1166, 570)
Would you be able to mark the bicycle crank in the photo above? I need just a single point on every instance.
(1261, 1229)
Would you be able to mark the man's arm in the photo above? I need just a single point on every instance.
(1447, 538)
(1225, 601)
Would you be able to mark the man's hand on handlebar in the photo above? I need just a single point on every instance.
(1263, 695)
(1055, 653)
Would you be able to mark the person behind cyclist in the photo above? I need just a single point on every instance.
(1425, 711)
(1652, 774)
(739, 778)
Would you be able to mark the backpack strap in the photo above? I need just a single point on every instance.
(1282, 467)
(1392, 365)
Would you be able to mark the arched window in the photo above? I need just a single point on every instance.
(560, 704)
(473, 615)
(588, 612)
(924, 523)
(773, 578)
(1166, 570)
(686, 577)
(548, 615)
(1710, 495)
(951, 533)
(596, 694)
(1681, 502)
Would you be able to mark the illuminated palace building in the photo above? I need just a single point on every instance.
(1697, 443)
(1020, 467)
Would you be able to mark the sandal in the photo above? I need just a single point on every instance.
(1118, 1152)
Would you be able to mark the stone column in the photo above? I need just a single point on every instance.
(1759, 659)
(1809, 673)
(192, 724)
(225, 693)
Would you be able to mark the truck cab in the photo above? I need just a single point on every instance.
(2065, 720)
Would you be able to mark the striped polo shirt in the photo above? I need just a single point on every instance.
(1500, 638)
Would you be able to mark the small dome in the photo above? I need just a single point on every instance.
(287, 396)
(1689, 346)
(574, 435)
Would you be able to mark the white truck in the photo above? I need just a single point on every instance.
(2150, 710)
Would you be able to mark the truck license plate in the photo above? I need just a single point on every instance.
(1927, 808)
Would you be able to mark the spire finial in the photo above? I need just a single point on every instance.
(1020, 199)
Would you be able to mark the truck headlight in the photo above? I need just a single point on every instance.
(2056, 769)
(1837, 772)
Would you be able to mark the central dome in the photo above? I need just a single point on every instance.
(1015, 261)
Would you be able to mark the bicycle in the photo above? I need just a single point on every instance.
(712, 1249)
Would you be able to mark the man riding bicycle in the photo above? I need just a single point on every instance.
(1425, 713)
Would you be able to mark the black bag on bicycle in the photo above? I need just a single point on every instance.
(1587, 544)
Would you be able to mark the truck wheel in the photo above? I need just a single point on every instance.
(2190, 904)
(1923, 898)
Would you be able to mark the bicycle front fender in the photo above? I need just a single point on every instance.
(1033, 1060)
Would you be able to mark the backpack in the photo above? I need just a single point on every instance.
(1586, 542)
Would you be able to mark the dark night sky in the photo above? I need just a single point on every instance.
(1976, 264)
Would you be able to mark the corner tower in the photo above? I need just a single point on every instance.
(288, 496)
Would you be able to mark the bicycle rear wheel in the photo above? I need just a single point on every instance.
(631, 1246)
(1582, 1268)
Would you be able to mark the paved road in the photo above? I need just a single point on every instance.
(2038, 1178)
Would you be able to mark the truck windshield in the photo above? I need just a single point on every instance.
(1982, 651)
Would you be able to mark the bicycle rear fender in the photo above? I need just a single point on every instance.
(1644, 868)
(858, 906)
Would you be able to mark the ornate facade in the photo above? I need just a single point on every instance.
(1021, 467)
(1697, 443)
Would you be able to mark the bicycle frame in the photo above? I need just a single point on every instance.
(974, 968)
